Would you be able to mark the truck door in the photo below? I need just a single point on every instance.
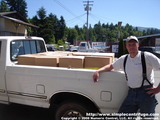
(82, 47)
(3, 90)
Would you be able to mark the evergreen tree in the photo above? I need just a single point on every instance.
(18, 5)
(3, 6)
(41, 13)
(60, 29)
(72, 35)
(121, 48)
(41, 21)
(34, 21)
(52, 29)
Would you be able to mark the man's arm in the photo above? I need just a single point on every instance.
(103, 69)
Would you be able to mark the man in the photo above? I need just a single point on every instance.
(141, 96)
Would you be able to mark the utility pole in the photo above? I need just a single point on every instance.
(119, 25)
(87, 8)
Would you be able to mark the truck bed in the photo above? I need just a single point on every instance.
(32, 85)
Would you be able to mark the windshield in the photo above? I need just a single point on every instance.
(22, 47)
(83, 45)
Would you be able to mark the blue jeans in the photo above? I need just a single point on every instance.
(138, 100)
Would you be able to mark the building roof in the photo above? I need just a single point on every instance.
(16, 17)
(147, 36)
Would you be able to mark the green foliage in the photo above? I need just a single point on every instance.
(121, 49)
(72, 35)
(50, 27)
(60, 42)
(53, 29)
(18, 5)
(3, 6)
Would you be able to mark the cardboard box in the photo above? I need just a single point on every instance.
(71, 61)
(56, 53)
(96, 61)
(41, 59)
(82, 54)
(105, 55)
(26, 59)
(51, 61)
(67, 53)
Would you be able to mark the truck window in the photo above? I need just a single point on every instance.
(33, 48)
(27, 47)
(83, 45)
(22, 47)
(40, 46)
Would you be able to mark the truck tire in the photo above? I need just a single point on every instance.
(72, 109)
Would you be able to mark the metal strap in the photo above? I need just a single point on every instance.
(144, 71)
(124, 65)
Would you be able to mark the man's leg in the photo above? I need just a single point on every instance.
(147, 105)
(129, 105)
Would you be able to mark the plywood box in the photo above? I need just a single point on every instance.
(26, 59)
(96, 61)
(47, 61)
(71, 61)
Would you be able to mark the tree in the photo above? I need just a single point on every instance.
(41, 14)
(53, 29)
(18, 5)
(60, 29)
(51, 25)
(3, 6)
(121, 48)
(72, 35)
(43, 31)
(34, 21)
(40, 20)
(98, 31)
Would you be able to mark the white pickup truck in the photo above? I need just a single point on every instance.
(86, 47)
(73, 90)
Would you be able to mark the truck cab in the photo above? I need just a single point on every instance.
(86, 47)
(10, 48)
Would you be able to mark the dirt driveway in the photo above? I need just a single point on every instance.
(21, 112)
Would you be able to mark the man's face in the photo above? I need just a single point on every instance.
(132, 46)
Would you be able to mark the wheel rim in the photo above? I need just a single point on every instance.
(72, 113)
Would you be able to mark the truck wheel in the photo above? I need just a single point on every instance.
(72, 109)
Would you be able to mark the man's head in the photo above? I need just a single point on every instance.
(132, 38)
(132, 45)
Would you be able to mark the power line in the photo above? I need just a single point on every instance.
(94, 17)
(75, 19)
(68, 10)
(102, 18)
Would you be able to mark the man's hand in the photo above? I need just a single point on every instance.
(153, 91)
(103, 69)
(96, 76)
